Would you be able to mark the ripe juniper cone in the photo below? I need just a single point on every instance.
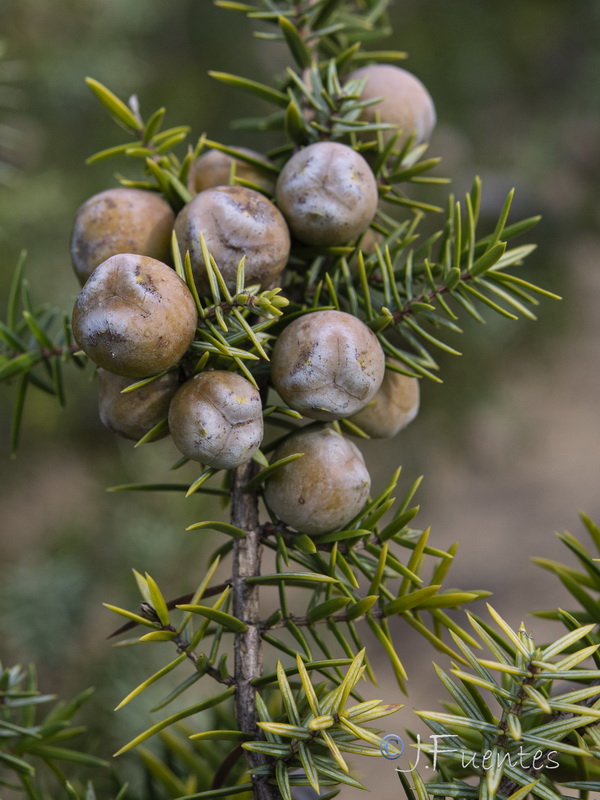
(327, 193)
(323, 490)
(135, 316)
(216, 418)
(327, 365)
(120, 221)
(134, 413)
(394, 406)
(214, 169)
(235, 222)
(405, 102)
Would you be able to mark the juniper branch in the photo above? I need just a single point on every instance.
(303, 622)
(408, 310)
(182, 647)
(248, 646)
(45, 353)
(211, 591)
(517, 707)
(508, 786)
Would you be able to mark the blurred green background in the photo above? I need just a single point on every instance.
(509, 445)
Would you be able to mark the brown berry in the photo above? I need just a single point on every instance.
(120, 221)
(134, 316)
(405, 102)
(327, 365)
(327, 193)
(394, 406)
(323, 490)
(134, 413)
(235, 222)
(214, 169)
(216, 418)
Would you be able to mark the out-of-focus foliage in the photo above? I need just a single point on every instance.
(10, 100)
(37, 747)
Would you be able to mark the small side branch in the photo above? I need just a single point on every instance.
(508, 786)
(336, 619)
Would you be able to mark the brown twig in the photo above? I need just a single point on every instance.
(248, 645)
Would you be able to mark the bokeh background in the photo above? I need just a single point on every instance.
(509, 445)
